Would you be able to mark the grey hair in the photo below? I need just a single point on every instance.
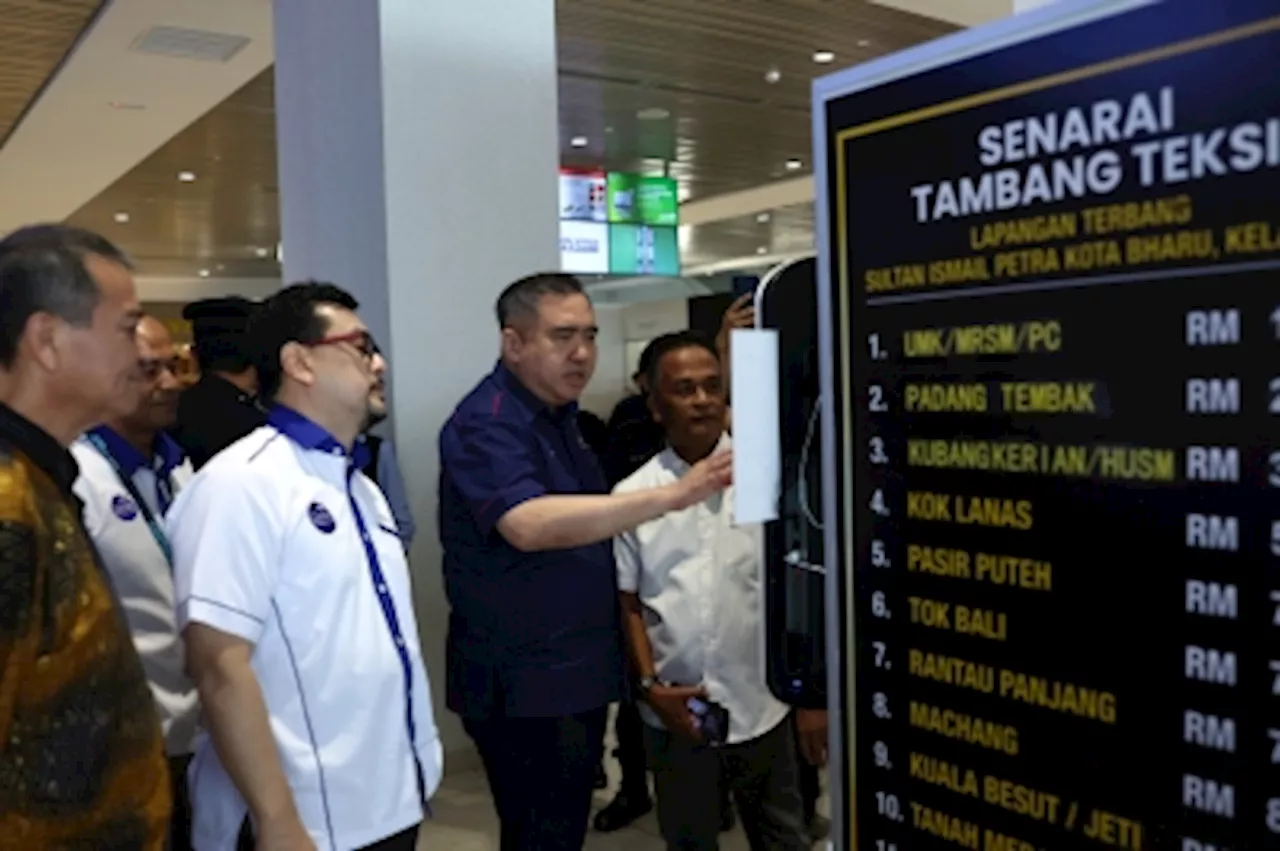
(42, 270)
(520, 300)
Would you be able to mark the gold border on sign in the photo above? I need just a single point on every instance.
(1085, 72)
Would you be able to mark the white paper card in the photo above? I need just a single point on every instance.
(757, 446)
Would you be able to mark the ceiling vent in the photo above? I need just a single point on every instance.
(182, 43)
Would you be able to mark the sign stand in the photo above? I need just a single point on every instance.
(1049, 257)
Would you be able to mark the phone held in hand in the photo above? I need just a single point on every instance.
(745, 285)
(711, 719)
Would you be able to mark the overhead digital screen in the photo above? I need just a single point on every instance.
(583, 196)
(1055, 307)
(618, 223)
(643, 250)
(584, 247)
(640, 200)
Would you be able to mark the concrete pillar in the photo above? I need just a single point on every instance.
(418, 155)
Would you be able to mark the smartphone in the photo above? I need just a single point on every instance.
(745, 285)
(711, 719)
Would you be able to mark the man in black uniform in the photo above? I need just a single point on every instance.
(220, 408)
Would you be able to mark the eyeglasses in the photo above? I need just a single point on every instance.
(362, 341)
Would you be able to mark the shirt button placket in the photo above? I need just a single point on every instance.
(706, 543)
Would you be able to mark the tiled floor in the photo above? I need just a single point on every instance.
(464, 820)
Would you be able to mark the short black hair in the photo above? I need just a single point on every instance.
(42, 270)
(219, 333)
(662, 346)
(217, 355)
(645, 364)
(289, 316)
(520, 300)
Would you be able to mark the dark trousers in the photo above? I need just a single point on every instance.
(810, 789)
(541, 773)
(762, 774)
(405, 840)
(629, 730)
(180, 821)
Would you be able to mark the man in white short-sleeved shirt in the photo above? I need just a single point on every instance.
(295, 599)
(130, 472)
(689, 583)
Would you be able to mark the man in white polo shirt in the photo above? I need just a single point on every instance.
(295, 599)
(130, 471)
(690, 588)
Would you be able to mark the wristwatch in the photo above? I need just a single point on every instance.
(646, 684)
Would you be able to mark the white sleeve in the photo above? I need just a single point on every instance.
(626, 556)
(84, 490)
(226, 532)
(626, 546)
(91, 511)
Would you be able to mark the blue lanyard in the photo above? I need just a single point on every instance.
(163, 494)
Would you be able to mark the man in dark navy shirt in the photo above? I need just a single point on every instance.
(526, 522)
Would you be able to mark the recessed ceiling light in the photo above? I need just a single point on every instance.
(653, 113)
(122, 218)
(773, 75)
(764, 249)
(794, 165)
(187, 176)
(864, 42)
(762, 218)
(262, 252)
(578, 141)
(824, 57)
(204, 273)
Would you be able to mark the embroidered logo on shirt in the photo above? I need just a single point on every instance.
(124, 508)
(321, 518)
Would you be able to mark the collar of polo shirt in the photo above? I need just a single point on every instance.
(309, 435)
(164, 449)
(680, 466)
(530, 403)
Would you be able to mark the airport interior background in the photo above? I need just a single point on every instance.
(664, 144)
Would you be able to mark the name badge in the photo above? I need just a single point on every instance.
(124, 508)
(321, 518)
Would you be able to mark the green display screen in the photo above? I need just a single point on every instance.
(643, 250)
(635, 199)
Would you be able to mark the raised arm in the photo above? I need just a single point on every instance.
(563, 522)
(741, 314)
(493, 469)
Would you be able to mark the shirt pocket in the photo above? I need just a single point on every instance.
(321, 573)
